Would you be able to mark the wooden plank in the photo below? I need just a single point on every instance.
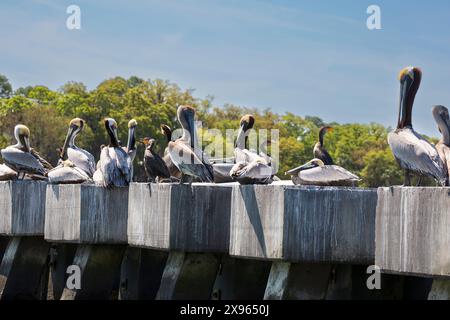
(188, 276)
(86, 214)
(22, 208)
(303, 224)
(100, 273)
(191, 218)
(24, 269)
(413, 231)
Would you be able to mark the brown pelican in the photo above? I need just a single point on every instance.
(116, 168)
(78, 157)
(22, 158)
(6, 173)
(255, 172)
(440, 114)
(174, 172)
(316, 173)
(184, 152)
(319, 149)
(154, 165)
(67, 173)
(412, 151)
(131, 143)
(250, 167)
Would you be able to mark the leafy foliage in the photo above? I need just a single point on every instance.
(360, 148)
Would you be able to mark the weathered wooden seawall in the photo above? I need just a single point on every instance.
(206, 241)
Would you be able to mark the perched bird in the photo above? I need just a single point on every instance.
(154, 165)
(250, 167)
(174, 172)
(131, 143)
(316, 173)
(255, 172)
(77, 156)
(67, 173)
(440, 114)
(115, 165)
(319, 149)
(411, 150)
(22, 158)
(184, 153)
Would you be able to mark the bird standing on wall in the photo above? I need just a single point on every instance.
(316, 173)
(115, 165)
(22, 158)
(77, 156)
(174, 172)
(440, 114)
(250, 167)
(413, 153)
(154, 165)
(130, 149)
(320, 152)
(184, 153)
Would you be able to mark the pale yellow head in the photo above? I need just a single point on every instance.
(132, 123)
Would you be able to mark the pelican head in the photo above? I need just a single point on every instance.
(22, 135)
(441, 116)
(132, 124)
(75, 127)
(166, 131)
(410, 78)
(131, 144)
(246, 124)
(111, 128)
(314, 163)
(186, 117)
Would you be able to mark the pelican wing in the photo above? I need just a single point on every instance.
(82, 159)
(22, 161)
(67, 175)
(444, 153)
(252, 173)
(222, 172)
(115, 166)
(327, 176)
(415, 153)
(188, 162)
(44, 162)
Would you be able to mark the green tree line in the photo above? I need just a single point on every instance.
(360, 148)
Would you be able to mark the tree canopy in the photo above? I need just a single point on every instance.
(360, 148)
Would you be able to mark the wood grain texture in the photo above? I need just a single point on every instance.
(413, 231)
(192, 218)
(304, 224)
(86, 214)
(22, 208)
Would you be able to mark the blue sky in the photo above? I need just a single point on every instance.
(306, 57)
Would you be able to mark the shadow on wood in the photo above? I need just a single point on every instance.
(24, 269)
(241, 279)
(188, 276)
(141, 273)
(100, 272)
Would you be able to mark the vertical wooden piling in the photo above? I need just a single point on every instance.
(100, 272)
(188, 276)
(24, 269)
